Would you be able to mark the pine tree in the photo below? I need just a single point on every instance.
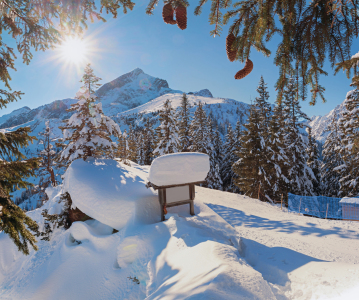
(122, 151)
(48, 155)
(88, 131)
(332, 160)
(250, 167)
(254, 152)
(229, 158)
(278, 160)
(198, 130)
(132, 145)
(349, 126)
(300, 175)
(148, 142)
(168, 131)
(14, 168)
(213, 179)
(184, 121)
(140, 147)
(314, 163)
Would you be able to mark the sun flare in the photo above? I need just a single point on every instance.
(74, 50)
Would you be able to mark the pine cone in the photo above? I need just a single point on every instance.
(248, 67)
(229, 42)
(167, 14)
(181, 16)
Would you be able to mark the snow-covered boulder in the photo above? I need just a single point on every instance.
(111, 192)
(179, 168)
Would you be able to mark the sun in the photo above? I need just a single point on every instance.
(74, 50)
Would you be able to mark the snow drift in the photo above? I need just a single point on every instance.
(110, 192)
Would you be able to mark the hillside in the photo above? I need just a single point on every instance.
(234, 248)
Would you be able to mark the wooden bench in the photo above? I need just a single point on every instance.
(176, 194)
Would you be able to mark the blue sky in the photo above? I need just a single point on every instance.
(189, 60)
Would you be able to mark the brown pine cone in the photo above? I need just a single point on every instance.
(229, 42)
(181, 16)
(167, 14)
(248, 67)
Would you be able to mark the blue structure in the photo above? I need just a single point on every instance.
(317, 206)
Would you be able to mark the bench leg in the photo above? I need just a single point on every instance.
(163, 218)
(191, 208)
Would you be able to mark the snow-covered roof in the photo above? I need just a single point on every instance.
(349, 200)
(179, 168)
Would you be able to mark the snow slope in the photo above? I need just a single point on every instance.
(183, 258)
(234, 248)
(300, 257)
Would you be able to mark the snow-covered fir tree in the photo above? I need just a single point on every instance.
(140, 147)
(253, 168)
(213, 179)
(122, 151)
(229, 158)
(250, 168)
(300, 175)
(262, 104)
(167, 131)
(349, 126)
(184, 121)
(88, 131)
(132, 146)
(314, 163)
(48, 154)
(278, 161)
(148, 142)
(331, 160)
(198, 130)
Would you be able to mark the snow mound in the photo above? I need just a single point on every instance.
(110, 192)
(179, 168)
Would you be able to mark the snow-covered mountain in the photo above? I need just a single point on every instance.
(319, 124)
(221, 110)
(128, 99)
(131, 90)
(53, 110)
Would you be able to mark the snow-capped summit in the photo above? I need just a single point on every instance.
(130, 90)
(203, 93)
(14, 114)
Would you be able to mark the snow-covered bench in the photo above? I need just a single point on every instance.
(175, 176)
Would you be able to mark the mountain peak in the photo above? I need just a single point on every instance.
(128, 78)
(204, 93)
(136, 72)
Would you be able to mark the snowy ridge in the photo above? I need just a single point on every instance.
(319, 124)
(14, 114)
(53, 110)
(222, 111)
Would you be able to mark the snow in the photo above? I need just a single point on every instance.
(300, 257)
(234, 247)
(104, 190)
(179, 168)
(349, 200)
